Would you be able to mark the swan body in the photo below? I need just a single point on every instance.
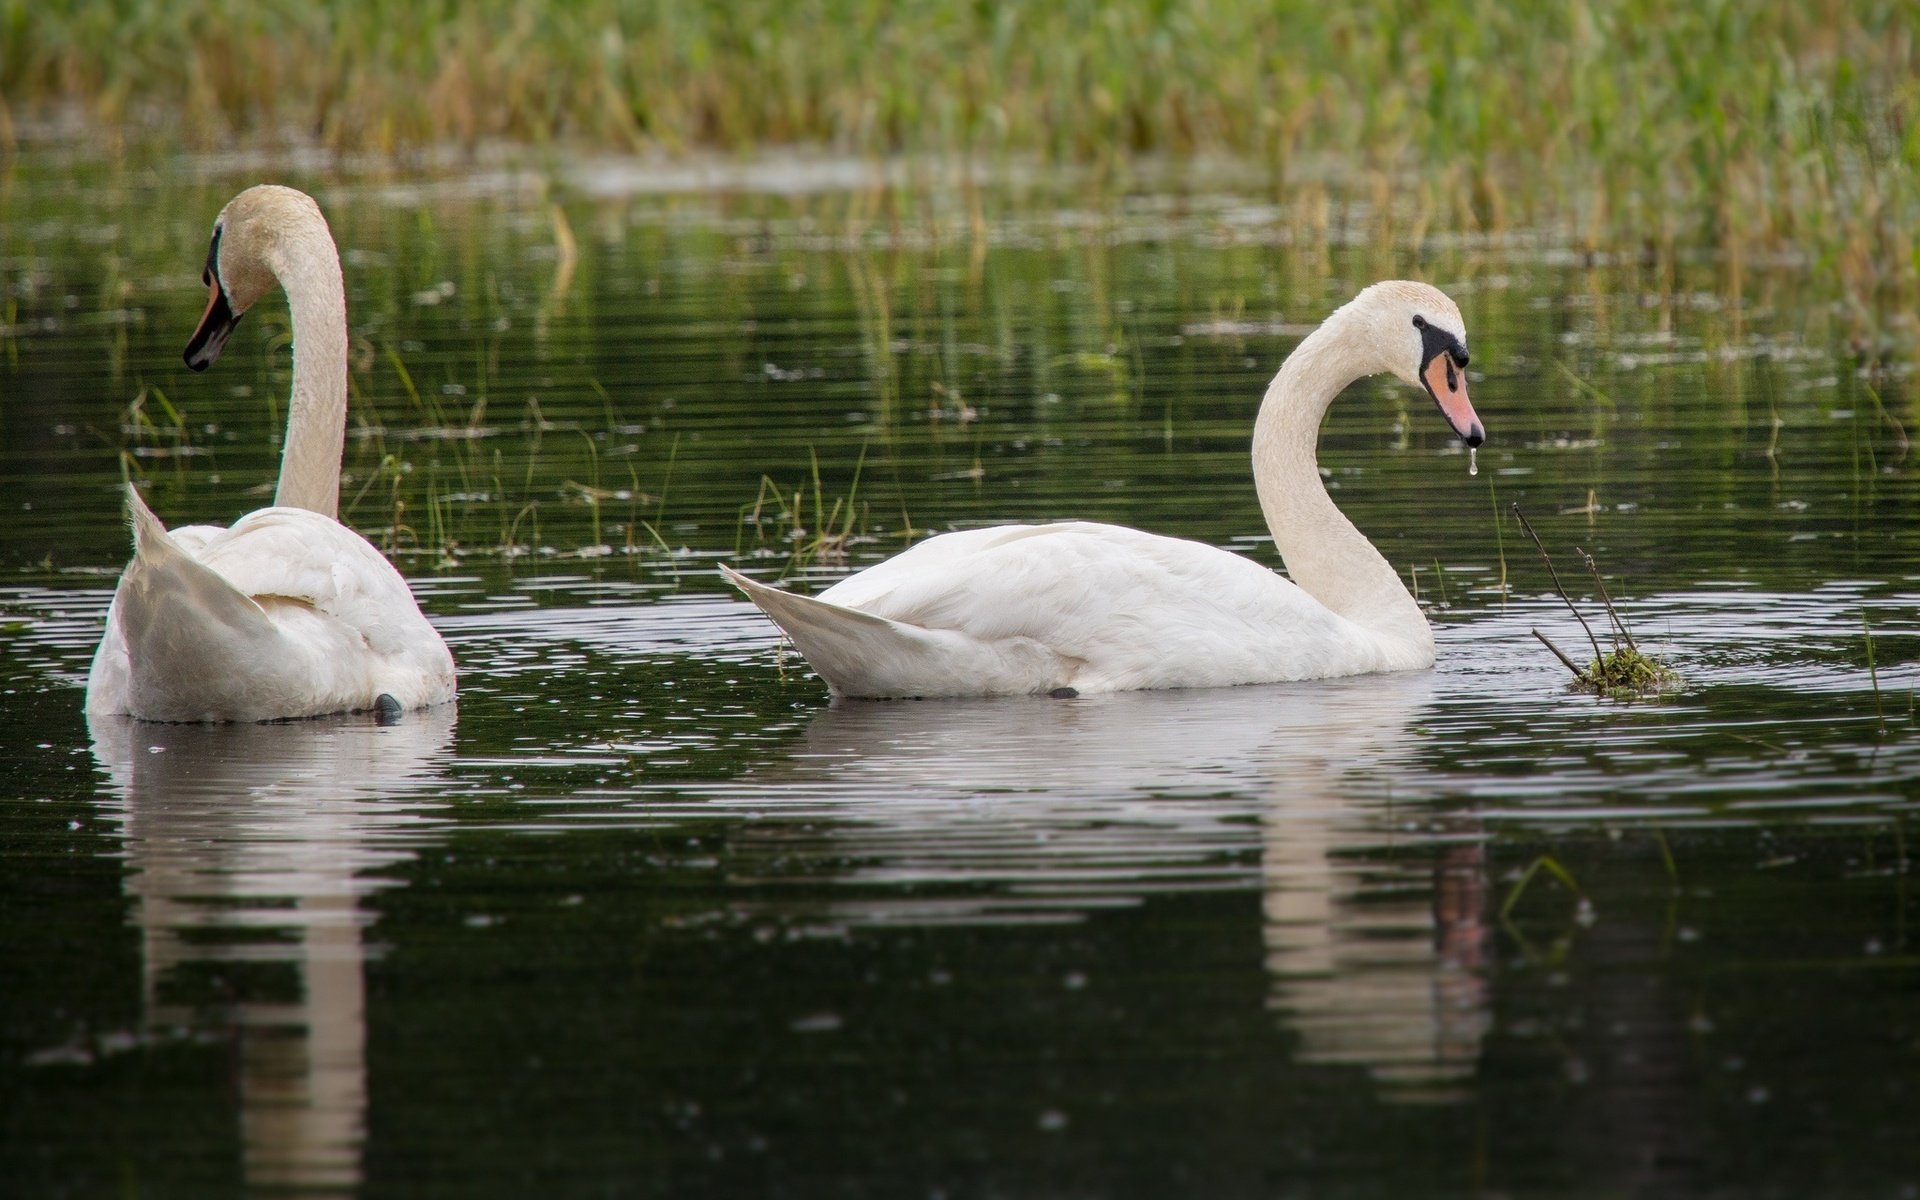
(1099, 608)
(1018, 609)
(287, 613)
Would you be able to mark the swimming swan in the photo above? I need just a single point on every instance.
(288, 613)
(1102, 608)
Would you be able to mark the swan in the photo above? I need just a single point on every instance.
(287, 613)
(1079, 607)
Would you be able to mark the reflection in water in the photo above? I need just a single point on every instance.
(1368, 971)
(1373, 919)
(256, 844)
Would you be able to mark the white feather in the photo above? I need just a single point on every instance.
(288, 613)
(1102, 608)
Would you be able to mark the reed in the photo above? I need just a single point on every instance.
(1638, 122)
(782, 518)
(1873, 673)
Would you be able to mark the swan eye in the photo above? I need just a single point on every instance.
(1419, 322)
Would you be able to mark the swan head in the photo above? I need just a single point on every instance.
(249, 239)
(1423, 339)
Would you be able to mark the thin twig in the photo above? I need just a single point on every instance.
(1873, 675)
(1555, 576)
(1593, 569)
(1577, 672)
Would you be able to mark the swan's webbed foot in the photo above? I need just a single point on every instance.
(387, 710)
(1064, 693)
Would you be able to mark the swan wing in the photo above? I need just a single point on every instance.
(285, 614)
(292, 554)
(1095, 607)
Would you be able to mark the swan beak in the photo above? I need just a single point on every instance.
(1447, 384)
(215, 327)
(216, 324)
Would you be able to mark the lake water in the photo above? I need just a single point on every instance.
(648, 915)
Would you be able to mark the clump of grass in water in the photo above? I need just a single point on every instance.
(832, 530)
(1623, 673)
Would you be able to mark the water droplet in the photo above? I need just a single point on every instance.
(1473, 460)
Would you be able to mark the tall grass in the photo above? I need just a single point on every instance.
(1461, 77)
(1724, 98)
(1772, 127)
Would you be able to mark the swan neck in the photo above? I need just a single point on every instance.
(308, 268)
(1324, 553)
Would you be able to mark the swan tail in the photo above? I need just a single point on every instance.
(840, 643)
(109, 678)
(170, 606)
(860, 654)
(150, 539)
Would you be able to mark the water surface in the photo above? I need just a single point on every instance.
(647, 914)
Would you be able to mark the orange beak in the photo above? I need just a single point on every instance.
(1447, 384)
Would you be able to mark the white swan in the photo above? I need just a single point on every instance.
(288, 613)
(1101, 608)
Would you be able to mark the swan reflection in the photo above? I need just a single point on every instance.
(1372, 917)
(258, 844)
(1368, 970)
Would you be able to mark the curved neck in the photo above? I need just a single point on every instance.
(308, 268)
(1330, 559)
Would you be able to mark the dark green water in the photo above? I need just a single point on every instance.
(647, 915)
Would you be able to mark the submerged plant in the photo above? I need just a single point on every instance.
(1622, 673)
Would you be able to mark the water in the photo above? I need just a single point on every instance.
(647, 914)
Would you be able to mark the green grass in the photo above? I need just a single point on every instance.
(1622, 673)
(781, 518)
(1625, 673)
(1768, 126)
